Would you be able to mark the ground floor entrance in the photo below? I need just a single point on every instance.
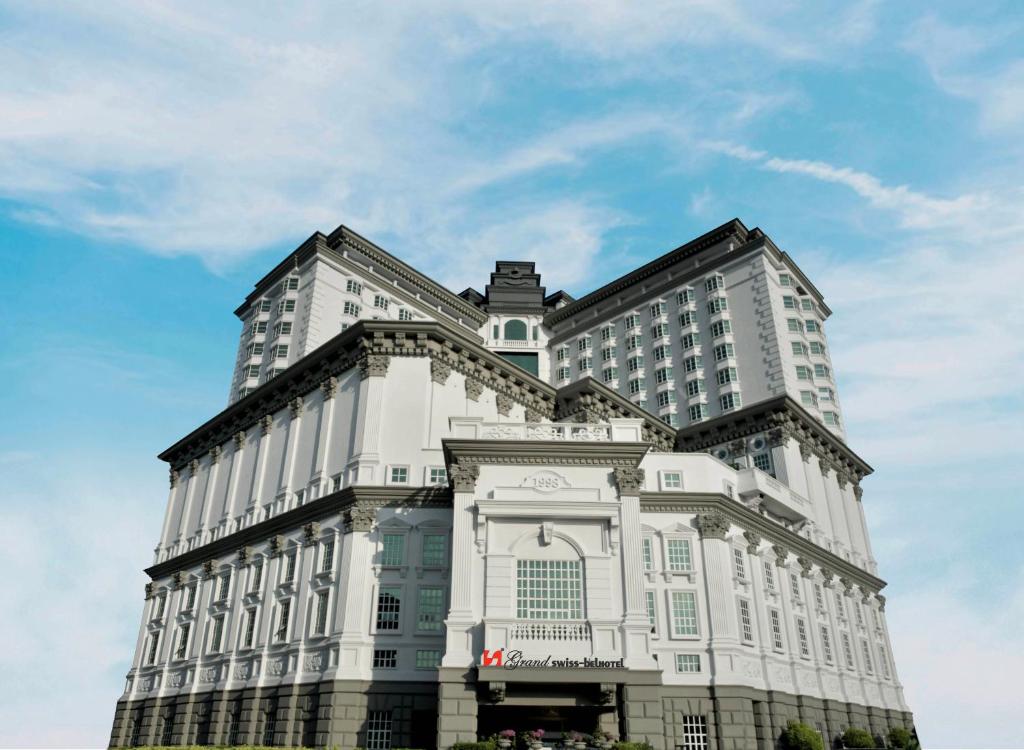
(556, 721)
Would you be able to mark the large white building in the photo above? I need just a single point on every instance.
(426, 517)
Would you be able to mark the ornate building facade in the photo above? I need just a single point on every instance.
(432, 516)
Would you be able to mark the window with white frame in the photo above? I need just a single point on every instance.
(671, 480)
(730, 401)
(385, 658)
(658, 309)
(378, 730)
(286, 307)
(327, 556)
(684, 296)
(609, 374)
(776, 625)
(652, 611)
(634, 364)
(218, 634)
(803, 372)
(648, 552)
(825, 394)
(695, 733)
(430, 609)
(428, 658)
(225, 586)
(713, 283)
(820, 371)
(746, 621)
(801, 637)
(724, 351)
(697, 412)
(806, 304)
(380, 301)
(848, 651)
(257, 576)
(608, 354)
(799, 349)
(794, 586)
(684, 613)
(831, 418)
(549, 589)
(289, 570)
(399, 475)
(727, 375)
(631, 321)
(434, 550)
(404, 313)
(300, 497)
(690, 340)
(883, 658)
(392, 550)
(692, 364)
(866, 651)
(283, 618)
(739, 566)
(769, 575)
(564, 373)
(679, 554)
(687, 318)
(784, 279)
(183, 633)
(154, 644)
(250, 627)
(661, 353)
(389, 608)
(607, 333)
(794, 325)
(666, 398)
(584, 343)
(635, 386)
(763, 462)
(687, 663)
(720, 328)
(717, 305)
(353, 287)
(585, 363)
(817, 347)
(351, 308)
(807, 398)
(812, 326)
(788, 302)
(322, 599)
(840, 608)
(161, 603)
(826, 644)
(281, 351)
(660, 330)
(663, 375)
(636, 341)
(265, 305)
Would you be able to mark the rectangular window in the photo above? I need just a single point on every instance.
(631, 321)
(794, 586)
(692, 364)
(648, 553)
(380, 301)
(438, 475)
(399, 475)
(799, 349)
(664, 375)
(287, 306)
(430, 609)
(321, 613)
(794, 325)
(763, 462)
(269, 727)
(385, 658)
(684, 296)
(724, 351)
(658, 308)
(776, 623)
(695, 733)
(291, 284)
(690, 340)
(225, 585)
(817, 347)
(698, 412)
(679, 554)
(583, 344)
(564, 373)
(283, 328)
(265, 305)
(695, 387)
(586, 363)
(825, 394)
(812, 326)
(607, 333)
(281, 351)
(404, 314)
(257, 575)
(353, 287)
(672, 480)
(289, 571)
(727, 375)
(807, 398)
(789, 303)
(607, 354)
(327, 561)
(687, 318)
(730, 401)
(848, 651)
(218, 634)
(251, 371)
(866, 651)
(826, 645)
(858, 613)
(389, 607)
(250, 627)
(549, 590)
(183, 640)
(803, 373)
(721, 327)
(818, 598)
(435, 550)
(300, 498)
(154, 644)
(739, 567)
(715, 282)
(883, 658)
(746, 623)
(351, 308)
(801, 636)
(840, 609)
(392, 550)
(652, 611)
(562, 353)
(660, 331)
(282, 620)
(684, 613)
(784, 279)
(261, 326)
(820, 371)
(717, 305)
(806, 304)
(609, 374)
(161, 602)
(666, 398)
(769, 576)
(661, 353)
(428, 658)
(378, 730)
(635, 341)
(831, 418)
(687, 663)
(633, 364)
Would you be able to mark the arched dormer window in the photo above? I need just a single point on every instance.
(515, 330)
(549, 577)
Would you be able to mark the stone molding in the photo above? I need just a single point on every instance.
(373, 366)
(628, 480)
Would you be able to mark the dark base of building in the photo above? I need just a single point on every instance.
(432, 715)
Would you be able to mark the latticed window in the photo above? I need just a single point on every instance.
(218, 633)
(679, 554)
(549, 589)
(250, 627)
(282, 626)
(269, 727)
(848, 651)
(695, 733)
(826, 644)
(652, 614)
(741, 569)
(183, 641)
(385, 658)
(167, 730)
(257, 575)
(866, 649)
(389, 607)
(746, 624)
(378, 730)
(430, 609)
(773, 616)
(769, 575)
(154, 644)
(328, 558)
(321, 612)
(428, 658)
(763, 462)
(393, 546)
(289, 572)
(434, 551)
(687, 662)
(225, 585)
(648, 552)
(684, 613)
(801, 635)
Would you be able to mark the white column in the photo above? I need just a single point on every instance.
(354, 604)
(287, 476)
(461, 618)
(266, 426)
(211, 485)
(636, 626)
(718, 566)
(373, 368)
(230, 499)
(321, 469)
(190, 491)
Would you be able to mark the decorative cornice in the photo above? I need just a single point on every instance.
(628, 480)
(462, 477)
(587, 400)
(552, 452)
(753, 541)
(712, 525)
(791, 420)
(690, 502)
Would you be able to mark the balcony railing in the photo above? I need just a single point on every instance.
(617, 429)
(551, 631)
(763, 489)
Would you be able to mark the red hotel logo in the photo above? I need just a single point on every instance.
(492, 658)
(514, 659)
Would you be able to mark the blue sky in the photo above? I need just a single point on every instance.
(156, 159)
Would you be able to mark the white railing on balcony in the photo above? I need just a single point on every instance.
(514, 344)
(576, 432)
(777, 497)
(577, 632)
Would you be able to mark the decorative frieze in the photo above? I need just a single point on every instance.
(713, 525)
(628, 480)
(533, 416)
(753, 541)
(462, 477)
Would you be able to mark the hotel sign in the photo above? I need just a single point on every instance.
(515, 660)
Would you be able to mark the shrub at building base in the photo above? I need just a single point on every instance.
(482, 745)
(902, 738)
(799, 736)
(854, 737)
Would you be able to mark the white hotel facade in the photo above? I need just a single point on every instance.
(654, 476)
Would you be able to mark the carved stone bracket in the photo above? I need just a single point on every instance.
(607, 693)
(847, 585)
(359, 518)
(781, 553)
(826, 577)
(463, 477)
(712, 525)
(843, 478)
(881, 601)
(175, 476)
(310, 532)
(177, 580)
(858, 492)
(215, 454)
(328, 388)
(295, 407)
(208, 566)
(244, 555)
(753, 541)
(533, 416)
(805, 566)
(149, 590)
(777, 437)
(276, 545)
(628, 480)
(373, 365)
(266, 424)
(474, 389)
(439, 370)
(805, 451)
(193, 467)
(504, 404)
(239, 440)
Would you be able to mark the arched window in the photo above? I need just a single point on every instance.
(515, 330)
